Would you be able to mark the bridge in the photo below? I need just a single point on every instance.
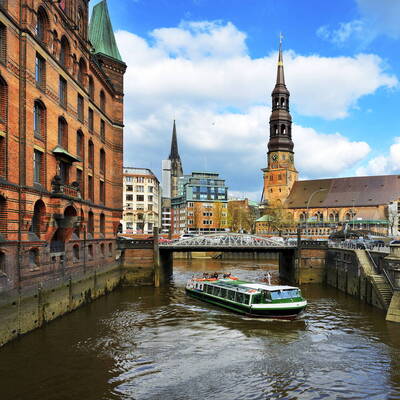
(227, 242)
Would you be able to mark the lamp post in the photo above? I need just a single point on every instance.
(309, 200)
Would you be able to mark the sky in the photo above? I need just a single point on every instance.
(211, 66)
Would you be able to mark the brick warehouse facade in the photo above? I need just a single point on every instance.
(61, 140)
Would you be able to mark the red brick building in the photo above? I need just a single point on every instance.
(61, 139)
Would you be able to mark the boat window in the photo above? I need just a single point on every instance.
(240, 297)
(246, 299)
(215, 291)
(256, 299)
(284, 294)
(231, 295)
(223, 293)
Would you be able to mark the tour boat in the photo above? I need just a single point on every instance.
(251, 299)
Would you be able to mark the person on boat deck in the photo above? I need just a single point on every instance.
(205, 275)
(227, 275)
(215, 275)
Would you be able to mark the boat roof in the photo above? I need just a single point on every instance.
(267, 287)
(250, 285)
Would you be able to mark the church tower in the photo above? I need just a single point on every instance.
(176, 164)
(280, 174)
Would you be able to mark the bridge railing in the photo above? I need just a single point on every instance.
(129, 243)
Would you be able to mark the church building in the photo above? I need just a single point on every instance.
(321, 206)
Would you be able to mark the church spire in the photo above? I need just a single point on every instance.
(280, 76)
(174, 154)
(280, 121)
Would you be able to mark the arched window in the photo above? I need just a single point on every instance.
(102, 224)
(277, 102)
(102, 161)
(102, 100)
(39, 211)
(3, 216)
(62, 133)
(302, 217)
(276, 129)
(348, 216)
(39, 119)
(79, 143)
(81, 23)
(3, 264)
(283, 129)
(282, 101)
(65, 52)
(75, 251)
(91, 87)
(102, 249)
(3, 43)
(42, 25)
(91, 154)
(319, 216)
(90, 223)
(82, 72)
(3, 100)
(33, 257)
(334, 216)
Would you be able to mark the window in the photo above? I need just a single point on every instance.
(91, 87)
(129, 188)
(3, 157)
(150, 198)
(102, 224)
(140, 189)
(79, 143)
(64, 52)
(62, 92)
(150, 207)
(110, 249)
(3, 100)
(91, 222)
(37, 166)
(150, 189)
(90, 119)
(64, 172)
(75, 251)
(90, 188)
(90, 251)
(102, 101)
(33, 257)
(139, 197)
(40, 72)
(3, 216)
(62, 133)
(79, 179)
(129, 197)
(102, 249)
(80, 108)
(102, 192)
(39, 120)
(42, 25)
(102, 130)
(91, 154)
(82, 71)
(102, 161)
(3, 43)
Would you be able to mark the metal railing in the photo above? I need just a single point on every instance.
(355, 246)
(229, 240)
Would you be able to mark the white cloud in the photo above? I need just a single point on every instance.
(383, 164)
(345, 31)
(202, 75)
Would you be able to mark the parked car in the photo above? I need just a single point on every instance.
(395, 242)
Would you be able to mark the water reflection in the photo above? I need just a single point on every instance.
(147, 343)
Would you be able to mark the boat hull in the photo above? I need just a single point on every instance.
(273, 313)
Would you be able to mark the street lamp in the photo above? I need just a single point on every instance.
(309, 200)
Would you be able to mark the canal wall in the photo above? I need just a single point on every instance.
(351, 272)
(27, 308)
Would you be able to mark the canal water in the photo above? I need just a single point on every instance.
(147, 343)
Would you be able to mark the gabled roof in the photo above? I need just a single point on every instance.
(345, 192)
(101, 33)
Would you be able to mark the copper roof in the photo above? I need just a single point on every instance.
(345, 192)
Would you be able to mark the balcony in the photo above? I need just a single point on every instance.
(58, 187)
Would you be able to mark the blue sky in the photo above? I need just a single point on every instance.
(210, 64)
